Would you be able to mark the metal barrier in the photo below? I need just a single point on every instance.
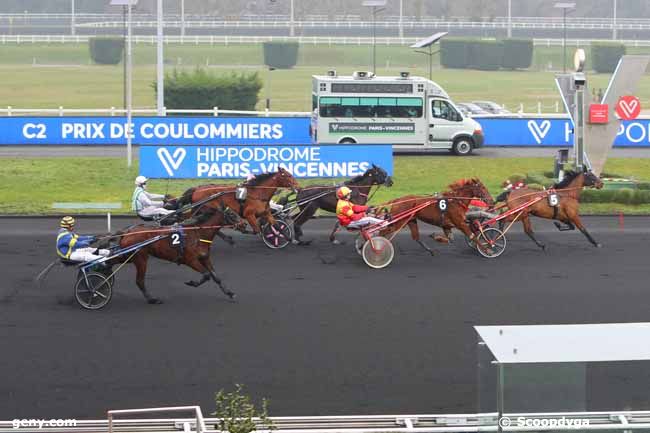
(626, 421)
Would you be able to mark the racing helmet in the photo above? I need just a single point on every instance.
(67, 222)
(140, 180)
(343, 192)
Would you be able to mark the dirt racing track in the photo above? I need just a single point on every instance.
(314, 329)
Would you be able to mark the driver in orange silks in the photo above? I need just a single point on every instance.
(352, 215)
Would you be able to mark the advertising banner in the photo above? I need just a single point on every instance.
(237, 162)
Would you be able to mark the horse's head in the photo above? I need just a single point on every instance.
(591, 180)
(378, 176)
(472, 188)
(285, 179)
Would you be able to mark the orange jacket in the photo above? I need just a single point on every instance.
(346, 212)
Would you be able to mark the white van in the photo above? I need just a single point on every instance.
(408, 112)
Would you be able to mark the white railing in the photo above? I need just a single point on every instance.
(216, 111)
(460, 423)
(305, 40)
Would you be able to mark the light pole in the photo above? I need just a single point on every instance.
(377, 6)
(128, 68)
(292, 30)
(401, 18)
(268, 88)
(72, 18)
(182, 18)
(614, 35)
(509, 18)
(160, 67)
(566, 8)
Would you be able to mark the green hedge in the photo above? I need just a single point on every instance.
(605, 56)
(202, 90)
(517, 53)
(454, 53)
(281, 55)
(486, 54)
(106, 50)
(623, 196)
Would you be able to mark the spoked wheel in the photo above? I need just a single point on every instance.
(491, 243)
(378, 252)
(93, 291)
(358, 244)
(473, 225)
(278, 235)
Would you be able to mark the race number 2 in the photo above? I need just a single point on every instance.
(442, 205)
(176, 239)
(553, 200)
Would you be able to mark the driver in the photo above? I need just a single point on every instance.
(146, 204)
(71, 246)
(352, 215)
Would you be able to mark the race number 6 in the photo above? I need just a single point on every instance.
(176, 239)
(34, 130)
(442, 204)
(553, 200)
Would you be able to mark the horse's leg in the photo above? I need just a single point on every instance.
(303, 217)
(415, 235)
(528, 228)
(205, 276)
(228, 239)
(574, 218)
(205, 260)
(140, 263)
(335, 229)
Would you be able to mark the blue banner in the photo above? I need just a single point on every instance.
(237, 162)
(154, 130)
(538, 131)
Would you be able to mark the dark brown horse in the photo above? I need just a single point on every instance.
(255, 207)
(188, 244)
(324, 197)
(457, 201)
(566, 210)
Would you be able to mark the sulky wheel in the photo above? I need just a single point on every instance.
(491, 243)
(93, 291)
(278, 235)
(359, 241)
(378, 252)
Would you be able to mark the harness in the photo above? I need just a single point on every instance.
(71, 244)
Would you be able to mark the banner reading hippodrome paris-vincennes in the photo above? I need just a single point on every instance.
(206, 147)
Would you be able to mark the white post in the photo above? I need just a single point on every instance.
(182, 18)
(509, 18)
(401, 18)
(614, 23)
(292, 30)
(108, 221)
(160, 85)
(72, 17)
(129, 85)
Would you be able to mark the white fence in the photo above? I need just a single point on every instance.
(462, 423)
(10, 111)
(308, 40)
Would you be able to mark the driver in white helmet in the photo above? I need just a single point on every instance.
(146, 204)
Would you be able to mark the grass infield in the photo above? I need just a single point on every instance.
(30, 186)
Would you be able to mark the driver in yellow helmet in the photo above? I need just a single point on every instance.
(71, 246)
(352, 215)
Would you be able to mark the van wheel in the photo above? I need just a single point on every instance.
(462, 147)
(347, 141)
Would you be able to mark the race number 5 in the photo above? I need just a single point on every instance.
(553, 200)
(176, 239)
(34, 130)
(442, 204)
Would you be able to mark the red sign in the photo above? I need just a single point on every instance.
(598, 113)
(628, 107)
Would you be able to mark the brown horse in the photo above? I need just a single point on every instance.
(566, 210)
(188, 244)
(457, 201)
(260, 190)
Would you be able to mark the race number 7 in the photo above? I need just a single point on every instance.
(553, 200)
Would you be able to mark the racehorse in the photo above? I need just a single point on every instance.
(254, 207)
(188, 245)
(457, 202)
(566, 210)
(324, 197)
